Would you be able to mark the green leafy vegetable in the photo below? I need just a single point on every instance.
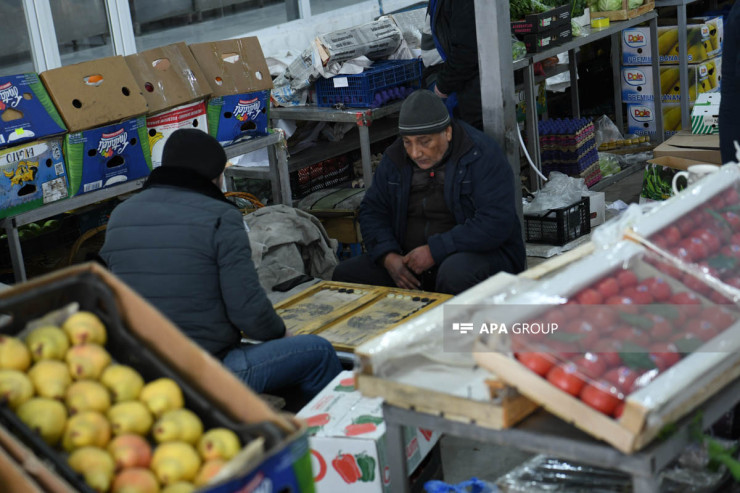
(636, 320)
(633, 4)
(604, 5)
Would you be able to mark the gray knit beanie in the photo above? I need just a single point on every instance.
(422, 113)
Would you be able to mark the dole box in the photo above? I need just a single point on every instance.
(175, 90)
(637, 82)
(31, 175)
(26, 111)
(240, 83)
(704, 41)
(641, 118)
(104, 110)
(347, 440)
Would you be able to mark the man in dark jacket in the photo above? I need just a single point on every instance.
(453, 29)
(184, 247)
(440, 214)
(729, 106)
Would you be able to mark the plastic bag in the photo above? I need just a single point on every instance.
(609, 164)
(560, 191)
(606, 131)
(473, 485)
(518, 49)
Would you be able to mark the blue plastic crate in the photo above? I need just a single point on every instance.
(385, 81)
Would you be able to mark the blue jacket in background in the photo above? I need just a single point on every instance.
(479, 191)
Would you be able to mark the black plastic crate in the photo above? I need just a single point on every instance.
(544, 21)
(124, 347)
(559, 226)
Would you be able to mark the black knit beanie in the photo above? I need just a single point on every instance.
(422, 113)
(194, 150)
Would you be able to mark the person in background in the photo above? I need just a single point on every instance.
(184, 247)
(440, 214)
(452, 24)
(729, 106)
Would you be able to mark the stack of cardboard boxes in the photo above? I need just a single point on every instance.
(541, 31)
(705, 66)
(32, 169)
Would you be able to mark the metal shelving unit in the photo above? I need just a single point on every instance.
(543, 433)
(12, 223)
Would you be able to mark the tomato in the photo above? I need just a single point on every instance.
(733, 219)
(695, 284)
(639, 294)
(600, 317)
(591, 365)
(716, 202)
(682, 253)
(631, 334)
(660, 243)
(696, 248)
(658, 287)
(669, 269)
(601, 396)
(731, 196)
(608, 287)
(711, 241)
(626, 278)
(702, 329)
(719, 317)
(618, 410)
(661, 329)
(555, 316)
(685, 225)
(562, 350)
(623, 304)
(540, 363)
(719, 299)
(667, 351)
(589, 296)
(587, 332)
(608, 350)
(670, 234)
(571, 310)
(565, 377)
(623, 378)
(735, 239)
(732, 250)
(690, 301)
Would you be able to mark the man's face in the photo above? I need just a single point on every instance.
(427, 150)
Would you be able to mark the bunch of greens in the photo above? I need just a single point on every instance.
(520, 8)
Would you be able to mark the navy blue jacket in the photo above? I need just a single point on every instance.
(479, 191)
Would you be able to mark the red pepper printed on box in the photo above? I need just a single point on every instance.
(346, 466)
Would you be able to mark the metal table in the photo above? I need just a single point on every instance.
(683, 64)
(12, 223)
(543, 433)
(589, 35)
(362, 117)
(277, 172)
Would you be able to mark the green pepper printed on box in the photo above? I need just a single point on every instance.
(367, 467)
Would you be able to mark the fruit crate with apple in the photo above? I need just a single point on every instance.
(70, 333)
(636, 349)
(699, 231)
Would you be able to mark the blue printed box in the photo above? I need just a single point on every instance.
(31, 175)
(108, 155)
(238, 117)
(26, 111)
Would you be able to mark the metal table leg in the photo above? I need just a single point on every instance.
(396, 454)
(683, 67)
(659, 125)
(280, 155)
(533, 135)
(367, 166)
(16, 254)
(575, 103)
(615, 42)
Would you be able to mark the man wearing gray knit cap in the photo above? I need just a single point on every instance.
(440, 214)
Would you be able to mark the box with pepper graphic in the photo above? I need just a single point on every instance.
(347, 439)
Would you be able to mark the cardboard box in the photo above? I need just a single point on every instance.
(347, 439)
(637, 82)
(31, 175)
(544, 21)
(22, 471)
(704, 41)
(641, 119)
(705, 115)
(543, 40)
(284, 467)
(625, 12)
(95, 93)
(162, 125)
(26, 111)
(106, 156)
(240, 83)
(700, 148)
(597, 207)
(521, 103)
(168, 77)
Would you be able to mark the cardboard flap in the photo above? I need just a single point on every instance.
(90, 94)
(233, 66)
(674, 162)
(685, 140)
(701, 148)
(168, 76)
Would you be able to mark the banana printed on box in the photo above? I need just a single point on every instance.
(637, 82)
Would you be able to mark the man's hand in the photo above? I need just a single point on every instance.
(439, 93)
(419, 259)
(402, 276)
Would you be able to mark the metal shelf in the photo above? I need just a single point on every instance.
(323, 114)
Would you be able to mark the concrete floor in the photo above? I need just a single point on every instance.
(462, 458)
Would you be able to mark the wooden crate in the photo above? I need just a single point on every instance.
(506, 407)
(624, 13)
(340, 224)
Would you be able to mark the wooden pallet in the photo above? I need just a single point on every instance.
(506, 407)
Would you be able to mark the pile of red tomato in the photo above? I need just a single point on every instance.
(617, 335)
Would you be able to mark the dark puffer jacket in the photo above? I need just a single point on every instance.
(478, 190)
(184, 247)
